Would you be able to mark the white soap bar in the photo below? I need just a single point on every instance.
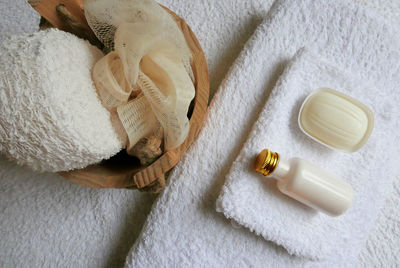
(336, 120)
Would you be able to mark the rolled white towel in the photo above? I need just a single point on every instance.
(51, 118)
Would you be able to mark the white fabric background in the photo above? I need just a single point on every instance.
(47, 221)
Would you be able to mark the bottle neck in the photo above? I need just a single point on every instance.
(269, 163)
(281, 170)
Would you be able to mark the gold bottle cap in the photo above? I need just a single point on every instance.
(266, 162)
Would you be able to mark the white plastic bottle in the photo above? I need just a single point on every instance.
(307, 183)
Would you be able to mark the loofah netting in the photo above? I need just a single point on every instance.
(104, 17)
(148, 51)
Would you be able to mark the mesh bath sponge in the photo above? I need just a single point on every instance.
(153, 55)
(150, 60)
(104, 17)
(51, 118)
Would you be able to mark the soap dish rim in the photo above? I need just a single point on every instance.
(366, 109)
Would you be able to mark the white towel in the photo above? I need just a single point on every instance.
(16, 16)
(205, 238)
(77, 229)
(48, 221)
(255, 202)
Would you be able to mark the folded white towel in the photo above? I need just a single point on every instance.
(205, 238)
(254, 201)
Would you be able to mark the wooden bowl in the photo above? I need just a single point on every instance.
(122, 170)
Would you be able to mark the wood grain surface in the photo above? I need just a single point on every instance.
(122, 170)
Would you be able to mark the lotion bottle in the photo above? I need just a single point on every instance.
(306, 183)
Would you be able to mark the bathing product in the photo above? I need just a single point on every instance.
(336, 120)
(306, 183)
(51, 118)
(105, 16)
(153, 64)
(153, 55)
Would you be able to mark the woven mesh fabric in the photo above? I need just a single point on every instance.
(111, 85)
(146, 43)
(104, 17)
(167, 92)
(138, 119)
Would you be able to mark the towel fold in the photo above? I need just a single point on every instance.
(204, 237)
(255, 202)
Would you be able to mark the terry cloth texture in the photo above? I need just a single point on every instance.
(255, 202)
(16, 16)
(205, 237)
(51, 118)
(48, 221)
